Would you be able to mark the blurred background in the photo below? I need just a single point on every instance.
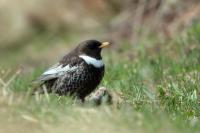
(31, 30)
(153, 67)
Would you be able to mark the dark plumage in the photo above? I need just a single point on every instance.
(78, 73)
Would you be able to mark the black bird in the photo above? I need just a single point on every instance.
(78, 73)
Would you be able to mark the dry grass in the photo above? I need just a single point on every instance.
(155, 70)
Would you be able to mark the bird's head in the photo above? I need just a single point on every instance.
(92, 48)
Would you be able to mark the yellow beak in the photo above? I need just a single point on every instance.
(104, 44)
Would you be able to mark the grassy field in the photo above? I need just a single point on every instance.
(159, 85)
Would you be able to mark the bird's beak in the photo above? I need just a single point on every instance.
(104, 44)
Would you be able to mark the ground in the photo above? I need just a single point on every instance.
(158, 85)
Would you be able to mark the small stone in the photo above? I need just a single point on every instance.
(104, 96)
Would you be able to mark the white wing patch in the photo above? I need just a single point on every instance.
(54, 72)
(59, 69)
(90, 60)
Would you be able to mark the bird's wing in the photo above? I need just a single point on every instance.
(59, 70)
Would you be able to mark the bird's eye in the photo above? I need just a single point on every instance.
(92, 47)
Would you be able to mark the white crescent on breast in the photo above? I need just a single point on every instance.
(92, 61)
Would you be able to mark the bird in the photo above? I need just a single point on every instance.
(77, 74)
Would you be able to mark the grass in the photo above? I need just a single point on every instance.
(160, 92)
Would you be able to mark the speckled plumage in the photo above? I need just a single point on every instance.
(79, 82)
(75, 74)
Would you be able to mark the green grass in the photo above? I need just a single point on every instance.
(160, 92)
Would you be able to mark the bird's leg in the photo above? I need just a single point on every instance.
(82, 100)
(78, 100)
